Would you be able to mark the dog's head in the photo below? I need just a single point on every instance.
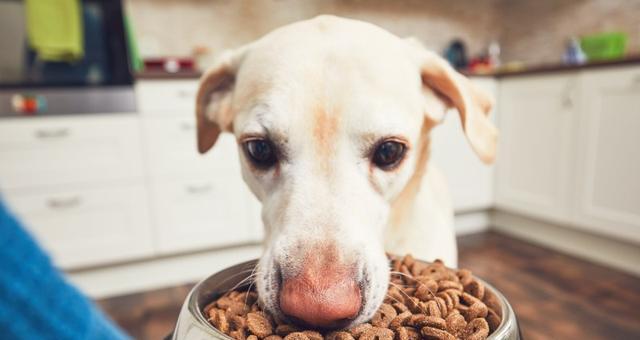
(332, 117)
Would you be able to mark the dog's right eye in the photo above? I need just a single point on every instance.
(261, 153)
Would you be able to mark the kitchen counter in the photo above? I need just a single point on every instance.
(531, 70)
(556, 68)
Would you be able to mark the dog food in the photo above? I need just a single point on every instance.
(424, 301)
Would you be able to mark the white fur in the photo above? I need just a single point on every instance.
(369, 82)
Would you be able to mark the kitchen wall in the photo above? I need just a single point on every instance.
(529, 31)
(173, 27)
(536, 31)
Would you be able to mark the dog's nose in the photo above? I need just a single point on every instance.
(321, 297)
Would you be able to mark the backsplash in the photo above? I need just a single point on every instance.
(529, 31)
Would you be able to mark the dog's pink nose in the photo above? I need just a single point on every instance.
(324, 294)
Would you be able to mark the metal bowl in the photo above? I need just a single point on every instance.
(193, 325)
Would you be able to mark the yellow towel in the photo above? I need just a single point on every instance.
(55, 29)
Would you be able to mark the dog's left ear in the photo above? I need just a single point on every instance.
(457, 91)
(214, 111)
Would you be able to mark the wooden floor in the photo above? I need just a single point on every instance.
(555, 296)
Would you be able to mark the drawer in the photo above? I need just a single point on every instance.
(87, 226)
(167, 96)
(61, 150)
(210, 211)
(171, 145)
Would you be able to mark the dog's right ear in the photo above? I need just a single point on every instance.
(214, 111)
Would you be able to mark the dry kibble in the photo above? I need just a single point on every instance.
(477, 329)
(313, 335)
(259, 325)
(436, 334)
(377, 333)
(423, 301)
(340, 335)
(384, 315)
(356, 331)
(296, 336)
(285, 329)
(273, 337)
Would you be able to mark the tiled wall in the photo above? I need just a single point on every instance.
(537, 30)
(528, 30)
(173, 27)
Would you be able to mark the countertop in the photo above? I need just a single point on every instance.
(530, 70)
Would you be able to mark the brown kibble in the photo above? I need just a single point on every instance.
(400, 320)
(340, 335)
(456, 324)
(259, 325)
(286, 329)
(296, 336)
(377, 333)
(425, 301)
(477, 329)
(237, 322)
(475, 288)
(436, 334)
(400, 307)
(313, 335)
(273, 337)
(493, 320)
(447, 284)
(238, 334)
(383, 316)
(356, 331)
(419, 321)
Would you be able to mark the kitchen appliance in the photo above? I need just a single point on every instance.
(98, 79)
(193, 325)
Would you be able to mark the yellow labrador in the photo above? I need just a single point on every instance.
(332, 117)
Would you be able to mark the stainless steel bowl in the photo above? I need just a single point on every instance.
(193, 325)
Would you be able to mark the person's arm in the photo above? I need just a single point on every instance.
(36, 302)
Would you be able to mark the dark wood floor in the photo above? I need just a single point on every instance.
(555, 296)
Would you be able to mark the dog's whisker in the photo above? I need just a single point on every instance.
(244, 281)
(407, 295)
(253, 274)
(231, 277)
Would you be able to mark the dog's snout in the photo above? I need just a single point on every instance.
(323, 295)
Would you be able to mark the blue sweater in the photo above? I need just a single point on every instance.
(36, 302)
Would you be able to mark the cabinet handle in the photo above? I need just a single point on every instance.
(635, 81)
(64, 203)
(199, 189)
(184, 126)
(185, 94)
(52, 133)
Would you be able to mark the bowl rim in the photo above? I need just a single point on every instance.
(194, 306)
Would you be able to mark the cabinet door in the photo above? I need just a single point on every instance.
(534, 161)
(199, 201)
(85, 225)
(608, 172)
(46, 151)
(470, 181)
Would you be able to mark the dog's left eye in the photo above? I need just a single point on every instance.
(388, 154)
(261, 152)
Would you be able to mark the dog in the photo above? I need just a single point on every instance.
(332, 118)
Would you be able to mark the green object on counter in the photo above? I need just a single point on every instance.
(134, 53)
(604, 46)
(55, 29)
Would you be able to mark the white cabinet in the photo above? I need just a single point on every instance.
(534, 160)
(608, 168)
(45, 151)
(87, 225)
(470, 181)
(199, 201)
(568, 149)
